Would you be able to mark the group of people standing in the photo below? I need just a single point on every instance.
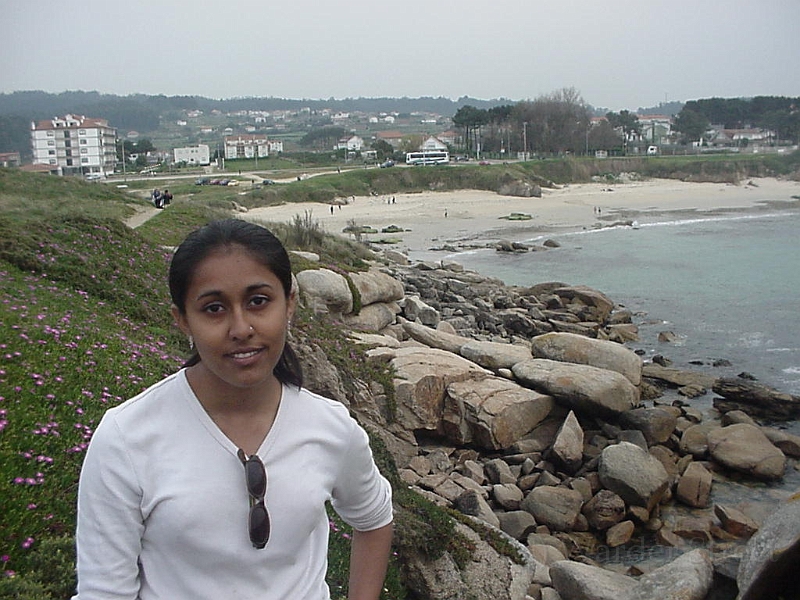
(161, 199)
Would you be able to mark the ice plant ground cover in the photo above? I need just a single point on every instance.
(80, 334)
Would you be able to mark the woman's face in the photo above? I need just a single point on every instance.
(238, 315)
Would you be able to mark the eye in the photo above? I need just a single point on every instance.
(213, 308)
(259, 301)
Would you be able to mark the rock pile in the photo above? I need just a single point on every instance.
(522, 408)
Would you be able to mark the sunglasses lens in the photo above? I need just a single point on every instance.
(259, 525)
(256, 477)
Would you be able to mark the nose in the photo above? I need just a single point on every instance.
(240, 327)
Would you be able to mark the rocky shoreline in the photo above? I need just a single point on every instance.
(522, 408)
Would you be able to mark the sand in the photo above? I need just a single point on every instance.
(466, 219)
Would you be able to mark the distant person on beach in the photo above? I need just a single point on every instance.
(213, 483)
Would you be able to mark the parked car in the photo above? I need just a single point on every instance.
(267, 182)
(387, 164)
(202, 181)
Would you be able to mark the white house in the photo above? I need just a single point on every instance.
(75, 145)
(354, 143)
(193, 155)
(433, 143)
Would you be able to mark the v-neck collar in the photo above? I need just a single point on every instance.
(213, 429)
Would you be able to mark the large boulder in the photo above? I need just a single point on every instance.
(688, 577)
(375, 286)
(745, 448)
(591, 304)
(421, 378)
(556, 507)
(633, 474)
(495, 355)
(488, 575)
(656, 424)
(373, 317)
(768, 568)
(325, 290)
(433, 337)
(755, 399)
(570, 347)
(491, 413)
(586, 389)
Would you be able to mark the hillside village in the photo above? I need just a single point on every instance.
(94, 147)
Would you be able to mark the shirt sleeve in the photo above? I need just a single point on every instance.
(361, 495)
(110, 520)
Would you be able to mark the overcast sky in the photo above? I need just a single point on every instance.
(619, 54)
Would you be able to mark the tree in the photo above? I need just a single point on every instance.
(691, 124)
(324, 138)
(604, 137)
(471, 119)
(383, 148)
(555, 123)
(625, 120)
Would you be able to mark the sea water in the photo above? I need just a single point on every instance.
(727, 286)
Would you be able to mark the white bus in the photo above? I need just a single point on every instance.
(428, 157)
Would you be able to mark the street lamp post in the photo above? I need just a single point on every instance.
(525, 140)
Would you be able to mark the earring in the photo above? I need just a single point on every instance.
(191, 343)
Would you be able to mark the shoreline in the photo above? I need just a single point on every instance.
(434, 222)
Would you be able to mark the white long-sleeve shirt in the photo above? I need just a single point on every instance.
(163, 506)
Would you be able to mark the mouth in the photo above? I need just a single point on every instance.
(244, 354)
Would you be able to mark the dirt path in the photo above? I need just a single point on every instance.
(143, 214)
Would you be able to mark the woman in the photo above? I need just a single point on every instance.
(174, 501)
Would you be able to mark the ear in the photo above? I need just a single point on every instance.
(291, 304)
(180, 320)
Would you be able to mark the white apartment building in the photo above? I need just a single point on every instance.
(75, 145)
(193, 155)
(246, 146)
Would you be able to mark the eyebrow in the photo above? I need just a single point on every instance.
(249, 289)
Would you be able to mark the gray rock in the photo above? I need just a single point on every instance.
(492, 413)
(688, 577)
(567, 450)
(633, 474)
(323, 289)
(375, 286)
(373, 317)
(568, 347)
(556, 507)
(434, 338)
(597, 392)
(494, 355)
(472, 503)
(421, 377)
(745, 448)
(604, 510)
(768, 568)
(517, 523)
(755, 399)
(694, 486)
(657, 424)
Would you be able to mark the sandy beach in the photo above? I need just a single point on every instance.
(470, 218)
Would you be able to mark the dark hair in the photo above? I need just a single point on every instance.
(262, 246)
